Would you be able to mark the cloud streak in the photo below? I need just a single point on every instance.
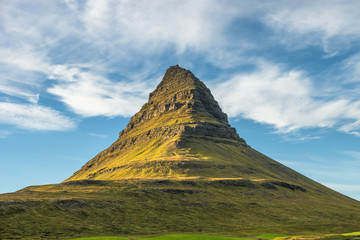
(34, 117)
(285, 99)
(329, 24)
(88, 94)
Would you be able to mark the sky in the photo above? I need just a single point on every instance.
(72, 73)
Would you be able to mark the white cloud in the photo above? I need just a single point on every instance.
(329, 24)
(281, 98)
(25, 59)
(21, 72)
(4, 133)
(34, 117)
(149, 25)
(351, 128)
(98, 135)
(88, 94)
(351, 68)
(9, 90)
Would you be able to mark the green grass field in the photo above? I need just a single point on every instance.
(190, 237)
(101, 238)
(270, 236)
(168, 237)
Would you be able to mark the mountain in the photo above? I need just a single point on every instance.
(178, 166)
(181, 132)
(169, 136)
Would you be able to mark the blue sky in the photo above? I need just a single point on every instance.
(73, 72)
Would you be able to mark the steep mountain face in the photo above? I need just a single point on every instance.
(181, 132)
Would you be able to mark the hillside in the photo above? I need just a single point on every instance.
(142, 207)
(178, 167)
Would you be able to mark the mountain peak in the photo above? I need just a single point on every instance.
(176, 76)
(179, 88)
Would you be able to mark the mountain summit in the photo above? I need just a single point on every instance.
(181, 132)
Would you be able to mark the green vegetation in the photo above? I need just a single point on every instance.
(345, 236)
(272, 236)
(190, 237)
(147, 207)
(351, 236)
(352, 233)
(101, 238)
(169, 237)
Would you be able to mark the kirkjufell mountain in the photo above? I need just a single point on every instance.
(181, 132)
(178, 167)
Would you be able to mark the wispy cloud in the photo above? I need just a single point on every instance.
(88, 94)
(98, 135)
(151, 25)
(329, 24)
(4, 133)
(354, 156)
(351, 128)
(285, 99)
(351, 68)
(34, 117)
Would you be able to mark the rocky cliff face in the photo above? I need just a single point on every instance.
(181, 92)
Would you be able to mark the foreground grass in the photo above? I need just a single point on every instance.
(168, 237)
(190, 237)
(352, 233)
(101, 238)
(270, 236)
